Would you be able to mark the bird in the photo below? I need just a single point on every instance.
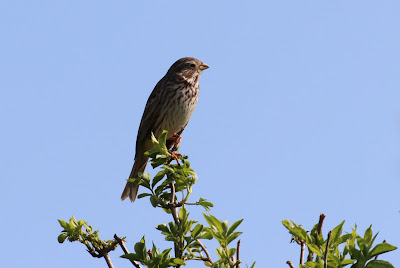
(169, 107)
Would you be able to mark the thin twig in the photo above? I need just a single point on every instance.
(319, 231)
(172, 206)
(205, 251)
(320, 223)
(125, 250)
(237, 254)
(176, 219)
(290, 264)
(108, 260)
(303, 246)
(326, 250)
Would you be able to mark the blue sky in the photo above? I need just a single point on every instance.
(298, 115)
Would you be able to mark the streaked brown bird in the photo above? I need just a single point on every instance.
(169, 107)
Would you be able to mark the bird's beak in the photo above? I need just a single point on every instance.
(203, 66)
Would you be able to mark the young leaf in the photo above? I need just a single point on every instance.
(153, 201)
(315, 249)
(342, 239)
(231, 252)
(368, 236)
(163, 228)
(197, 230)
(380, 248)
(140, 249)
(252, 266)
(159, 176)
(176, 261)
(234, 226)
(346, 262)
(336, 232)
(287, 224)
(61, 238)
(232, 237)
(63, 224)
(131, 256)
(379, 264)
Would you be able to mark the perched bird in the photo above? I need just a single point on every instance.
(169, 107)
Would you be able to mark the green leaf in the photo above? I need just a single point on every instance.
(206, 204)
(143, 195)
(131, 256)
(313, 264)
(342, 239)
(61, 238)
(183, 213)
(252, 266)
(159, 176)
(162, 140)
(163, 228)
(346, 262)
(361, 243)
(213, 222)
(287, 224)
(234, 226)
(231, 252)
(333, 259)
(336, 232)
(380, 248)
(173, 228)
(140, 249)
(72, 222)
(379, 264)
(299, 233)
(315, 249)
(178, 261)
(63, 224)
(153, 201)
(206, 235)
(356, 254)
(197, 230)
(233, 237)
(134, 180)
(153, 138)
(368, 236)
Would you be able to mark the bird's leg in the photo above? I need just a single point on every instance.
(173, 144)
(175, 156)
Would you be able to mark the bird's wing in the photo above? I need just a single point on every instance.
(151, 114)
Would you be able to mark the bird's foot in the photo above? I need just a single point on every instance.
(173, 142)
(175, 156)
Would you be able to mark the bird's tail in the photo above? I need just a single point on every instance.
(131, 189)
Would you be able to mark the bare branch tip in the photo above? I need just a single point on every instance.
(290, 264)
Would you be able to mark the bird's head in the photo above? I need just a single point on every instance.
(188, 68)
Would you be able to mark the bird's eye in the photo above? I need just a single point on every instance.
(192, 65)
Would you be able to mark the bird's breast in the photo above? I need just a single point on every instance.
(180, 109)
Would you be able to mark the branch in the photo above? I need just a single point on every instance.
(108, 260)
(205, 251)
(172, 205)
(122, 244)
(290, 264)
(237, 254)
(326, 250)
(303, 246)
